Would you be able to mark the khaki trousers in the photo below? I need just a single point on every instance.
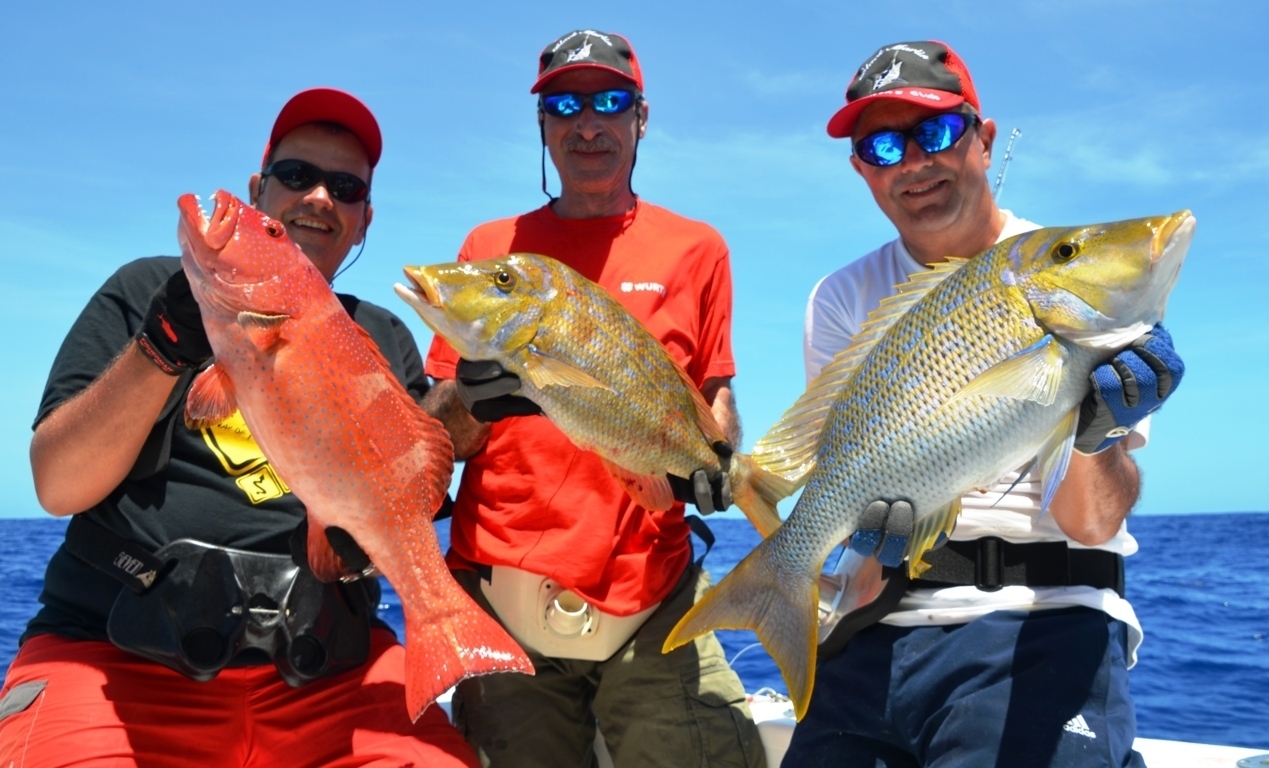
(684, 709)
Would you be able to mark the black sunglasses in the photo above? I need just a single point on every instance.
(610, 102)
(301, 175)
(941, 132)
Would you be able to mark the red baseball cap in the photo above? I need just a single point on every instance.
(927, 73)
(328, 105)
(586, 48)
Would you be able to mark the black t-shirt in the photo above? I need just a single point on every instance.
(215, 487)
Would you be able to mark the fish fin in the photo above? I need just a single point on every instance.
(781, 607)
(450, 640)
(211, 398)
(648, 491)
(1032, 374)
(1116, 339)
(545, 371)
(756, 491)
(322, 560)
(1021, 474)
(929, 529)
(265, 331)
(789, 448)
(1055, 456)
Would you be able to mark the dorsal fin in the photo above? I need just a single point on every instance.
(788, 449)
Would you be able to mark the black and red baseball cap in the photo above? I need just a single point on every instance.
(329, 105)
(927, 73)
(586, 48)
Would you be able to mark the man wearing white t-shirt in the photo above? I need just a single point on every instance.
(1013, 649)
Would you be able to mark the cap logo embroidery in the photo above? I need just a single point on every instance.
(890, 76)
(580, 53)
(587, 33)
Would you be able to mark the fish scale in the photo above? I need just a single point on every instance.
(595, 371)
(972, 369)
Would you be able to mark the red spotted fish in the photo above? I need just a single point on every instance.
(973, 369)
(595, 371)
(338, 427)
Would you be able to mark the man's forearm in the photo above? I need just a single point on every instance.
(722, 402)
(468, 435)
(84, 449)
(1098, 493)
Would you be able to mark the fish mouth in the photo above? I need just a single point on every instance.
(1175, 233)
(215, 231)
(422, 289)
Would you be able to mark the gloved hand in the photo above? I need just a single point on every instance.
(708, 495)
(883, 532)
(485, 389)
(1127, 389)
(172, 333)
(356, 561)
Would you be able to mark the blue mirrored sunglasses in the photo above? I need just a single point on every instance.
(610, 102)
(885, 148)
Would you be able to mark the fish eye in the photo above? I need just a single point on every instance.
(1064, 251)
(274, 229)
(504, 280)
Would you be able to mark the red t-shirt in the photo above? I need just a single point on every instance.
(530, 498)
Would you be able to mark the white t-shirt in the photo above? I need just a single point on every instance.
(838, 306)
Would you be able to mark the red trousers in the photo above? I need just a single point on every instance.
(104, 707)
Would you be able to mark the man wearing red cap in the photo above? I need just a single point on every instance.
(534, 514)
(176, 628)
(1013, 648)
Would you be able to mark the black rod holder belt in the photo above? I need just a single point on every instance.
(990, 563)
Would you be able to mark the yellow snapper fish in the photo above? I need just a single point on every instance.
(974, 368)
(595, 371)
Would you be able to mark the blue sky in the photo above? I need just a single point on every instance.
(108, 112)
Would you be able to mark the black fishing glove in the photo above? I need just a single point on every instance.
(485, 389)
(708, 495)
(1127, 389)
(172, 333)
(883, 532)
(356, 561)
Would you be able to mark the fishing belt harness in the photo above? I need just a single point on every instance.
(989, 564)
(196, 608)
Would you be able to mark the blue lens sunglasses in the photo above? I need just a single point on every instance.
(939, 133)
(611, 102)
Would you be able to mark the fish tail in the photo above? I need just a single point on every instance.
(454, 642)
(780, 604)
(757, 491)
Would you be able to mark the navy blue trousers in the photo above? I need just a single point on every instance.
(1013, 688)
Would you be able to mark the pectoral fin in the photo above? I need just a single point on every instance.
(1032, 374)
(1055, 456)
(211, 398)
(546, 371)
(265, 331)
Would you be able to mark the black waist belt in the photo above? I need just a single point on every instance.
(197, 608)
(991, 563)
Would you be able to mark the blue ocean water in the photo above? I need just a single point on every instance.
(1200, 586)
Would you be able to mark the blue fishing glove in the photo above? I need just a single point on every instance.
(883, 532)
(172, 334)
(485, 389)
(1127, 389)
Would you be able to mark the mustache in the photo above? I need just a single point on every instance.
(600, 143)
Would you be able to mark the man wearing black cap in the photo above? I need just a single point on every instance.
(974, 664)
(177, 561)
(543, 537)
